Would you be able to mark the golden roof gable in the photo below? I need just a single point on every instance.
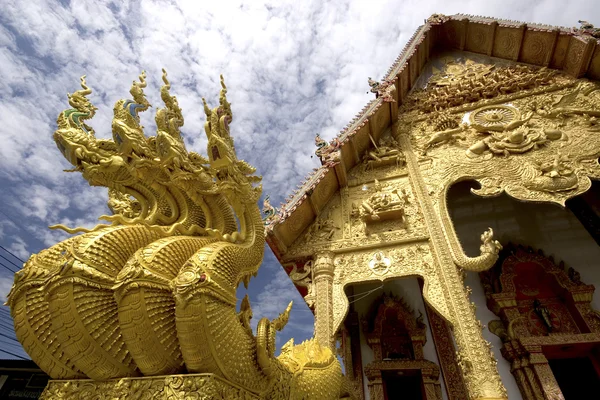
(573, 51)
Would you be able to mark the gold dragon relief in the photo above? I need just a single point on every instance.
(382, 264)
(151, 291)
(538, 148)
(540, 144)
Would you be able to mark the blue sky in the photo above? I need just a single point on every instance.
(293, 68)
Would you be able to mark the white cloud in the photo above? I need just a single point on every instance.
(18, 247)
(5, 285)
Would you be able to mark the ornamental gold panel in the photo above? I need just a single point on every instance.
(361, 140)
(479, 37)
(578, 56)
(537, 45)
(560, 51)
(507, 42)
(381, 120)
(326, 188)
(454, 32)
(296, 223)
(386, 263)
(594, 68)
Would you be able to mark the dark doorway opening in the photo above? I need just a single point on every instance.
(576, 377)
(406, 385)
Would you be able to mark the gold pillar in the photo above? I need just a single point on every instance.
(323, 285)
(474, 355)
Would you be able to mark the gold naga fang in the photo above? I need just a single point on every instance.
(144, 305)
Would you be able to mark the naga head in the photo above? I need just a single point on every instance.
(169, 118)
(74, 139)
(221, 150)
(137, 91)
(81, 103)
(170, 182)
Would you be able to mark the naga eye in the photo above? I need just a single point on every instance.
(202, 278)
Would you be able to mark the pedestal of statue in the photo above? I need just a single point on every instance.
(171, 387)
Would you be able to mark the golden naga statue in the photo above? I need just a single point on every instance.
(152, 292)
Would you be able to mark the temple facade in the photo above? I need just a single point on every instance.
(448, 244)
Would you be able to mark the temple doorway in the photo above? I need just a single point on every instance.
(576, 377)
(403, 385)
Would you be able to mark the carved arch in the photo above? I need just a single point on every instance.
(397, 338)
(544, 311)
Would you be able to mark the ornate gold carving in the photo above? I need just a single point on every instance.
(173, 387)
(323, 279)
(458, 83)
(382, 204)
(344, 219)
(153, 291)
(444, 344)
(379, 264)
(474, 356)
(407, 260)
(548, 149)
(529, 324)
(305, 279)
(323, 229)
(386, 153)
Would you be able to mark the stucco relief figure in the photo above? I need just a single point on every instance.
(322, 229)
(379, 263)
(553, 176)
(443, 137)
(386, 153)
(447, 130)
(304, 278)
(382, 202)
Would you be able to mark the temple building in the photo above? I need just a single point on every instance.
(448, 244)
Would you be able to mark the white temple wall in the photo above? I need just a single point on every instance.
(547, 227)
(409, 290)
